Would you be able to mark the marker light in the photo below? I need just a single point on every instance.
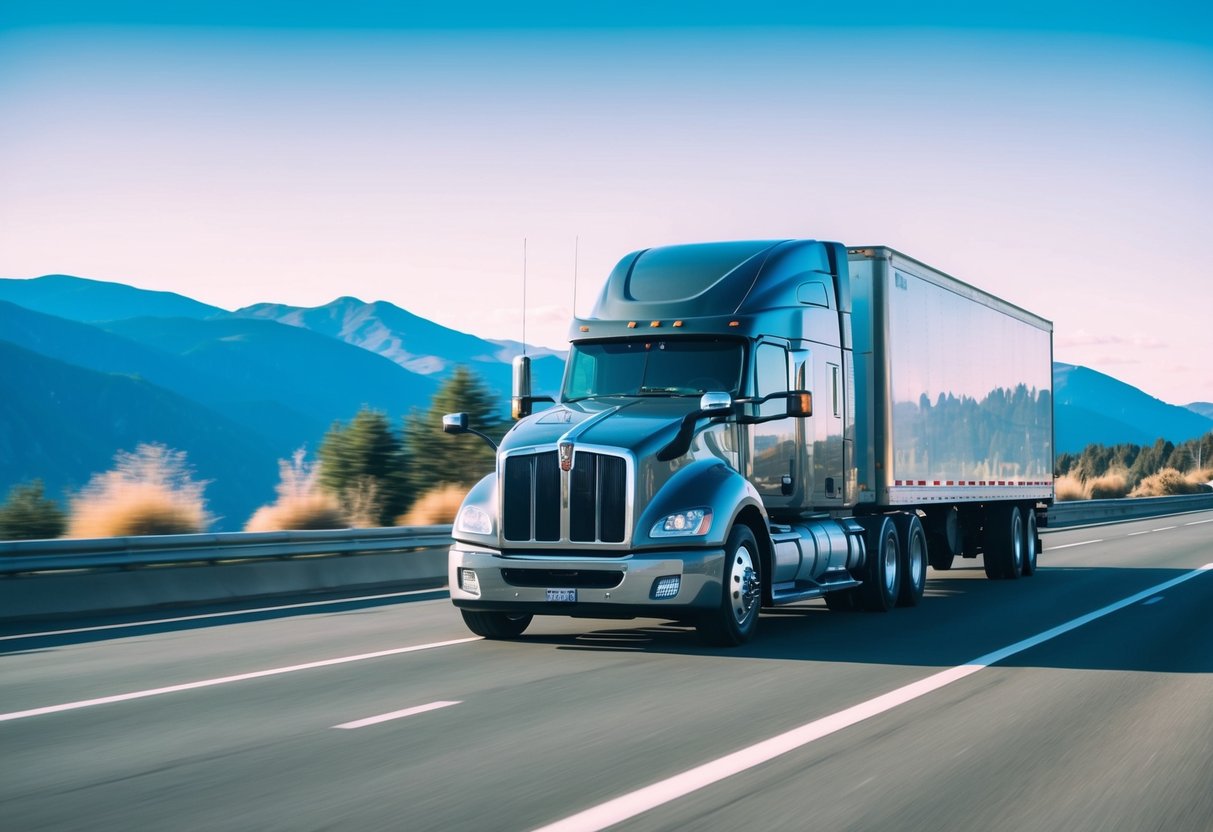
(474, 521)
(684, 523)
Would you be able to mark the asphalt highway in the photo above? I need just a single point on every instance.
(1078, 699)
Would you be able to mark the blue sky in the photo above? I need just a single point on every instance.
(1058, 156)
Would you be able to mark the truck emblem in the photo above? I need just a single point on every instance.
(566, 456)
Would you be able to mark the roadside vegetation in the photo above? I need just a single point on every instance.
(1101, 472)
(368, 473)
(150, 491)
(28, 514)
(301, 503)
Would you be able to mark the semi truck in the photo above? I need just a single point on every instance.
(750, 424)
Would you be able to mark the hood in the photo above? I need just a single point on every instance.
(637, 425)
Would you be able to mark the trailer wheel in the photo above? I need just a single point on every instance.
(496, 625)
(882, 567)
(1031, 538)
(912, 542)
(736, 619)
(944, 538)
(1004, 542)
(941, 554)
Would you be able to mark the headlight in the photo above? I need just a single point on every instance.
(474, 521)
(684, 523)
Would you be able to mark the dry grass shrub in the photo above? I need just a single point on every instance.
(1200, 477)
(1110, 486)
(435, 508)
(1166, 482)
(150, 491)
(362, 503)
(1068, 487)
(301, 504)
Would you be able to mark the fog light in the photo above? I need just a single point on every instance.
(468, 581)
(666, 587)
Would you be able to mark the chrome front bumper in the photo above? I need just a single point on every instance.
(607, 587)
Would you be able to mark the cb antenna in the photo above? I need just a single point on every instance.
(576, 251)
(524, 295)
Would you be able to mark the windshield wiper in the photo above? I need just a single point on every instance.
(666, 391)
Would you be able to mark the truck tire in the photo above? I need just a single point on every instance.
(882, 567)
(1031, 538)
(1004, 542)
(944, 537)
(736, 619)
(941, 553)
(496, 625)
(912, 545)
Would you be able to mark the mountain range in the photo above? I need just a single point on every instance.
(89, 368)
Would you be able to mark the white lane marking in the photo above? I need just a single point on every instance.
(650, 797)
(224, 680)
(1068, 545)
(202, 616)
(375, 720)
(1198, 522)
(1135, 534)
(1153, 600)
(1163, 529)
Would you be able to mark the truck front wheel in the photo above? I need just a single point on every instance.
(496, 625)
(735, 621)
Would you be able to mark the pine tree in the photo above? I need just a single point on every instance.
(29, 515)
(436, 457)
(363, 465)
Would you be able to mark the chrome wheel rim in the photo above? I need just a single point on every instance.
(744, 587)
(890, 563)
(918, 558)
(1017, 542)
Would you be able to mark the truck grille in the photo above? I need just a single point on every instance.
(597, 498)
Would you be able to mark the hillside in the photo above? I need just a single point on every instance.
(1093, 407)
(80, 299)
(413, 342)
(64, 423)
(267, 365)
(1202, 408)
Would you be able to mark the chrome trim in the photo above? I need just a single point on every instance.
(565, 542)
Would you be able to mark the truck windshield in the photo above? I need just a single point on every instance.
(673, 367)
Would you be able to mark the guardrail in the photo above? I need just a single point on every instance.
(1078, 512)
(159, 550)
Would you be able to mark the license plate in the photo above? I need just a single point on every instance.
(562, 595)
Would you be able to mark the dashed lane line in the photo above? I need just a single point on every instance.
(375, 720)
(1072, 545)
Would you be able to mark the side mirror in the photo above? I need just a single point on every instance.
(711, 404)
(458, 423)
(455, 423)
